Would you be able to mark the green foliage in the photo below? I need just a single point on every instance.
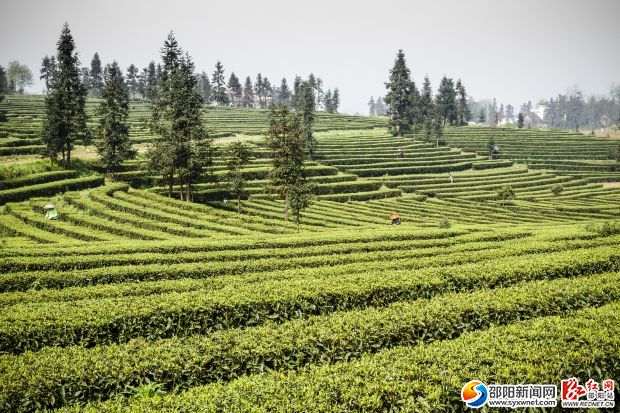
(520, 120)
(306, 109)
(557, 189)
(425, 378)
(444, 223)
(292, 345)
(114, 146)
(446, 102)
(184, 149)
(49, 188)
(287, 141)
(65, 123)
(238, 157)
(401, 97)
(146, 391)
(506, 193)
(218, 84)
(18, 76)
(606, 229)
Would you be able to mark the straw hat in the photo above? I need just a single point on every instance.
(49, 206)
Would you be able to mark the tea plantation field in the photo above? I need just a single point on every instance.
(134, 301)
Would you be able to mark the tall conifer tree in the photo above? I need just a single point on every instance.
(248, 93)
(65, 123)
(114, 146)
(400, 97)
(96, 76)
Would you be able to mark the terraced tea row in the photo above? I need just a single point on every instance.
(25, 114)
(426, 378)
(539, 149)
(176, 363)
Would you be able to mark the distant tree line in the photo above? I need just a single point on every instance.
(214, 89)
(413, 111)
(572, 112)
(15, 78)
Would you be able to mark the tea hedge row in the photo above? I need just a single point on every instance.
(55, 376)
(105, 321)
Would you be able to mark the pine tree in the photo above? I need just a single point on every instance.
(204, 87)
(3, 91)
(96, 79)
(184, 149)
(142, 78)
(446, 101)
(296, 92)
(65, 123)
(287, 145)
(380, 107)
(328, 101)
(267, 92)
(438, 122)
(4, 84)
(48, 69)
(491, 145)
(318, 86)
(426, 110)
(114, 146)
(509, 112)
(299, 198)
(151, 81)
(482, 117)
(234, 86)
(400, 97)
(259, 89)
(218, 85)
(248, 93)
(85, 77)
(371, 107)
(239, 157)
(335, 100)
(132, 81)
(520, 120)
(306, 112)
(462, 110)
(284, 94)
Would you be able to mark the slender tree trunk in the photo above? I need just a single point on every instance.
(239, 205)
(170, 183)
(180, 189)
(189, 187)
(286, 206)
(68, 160)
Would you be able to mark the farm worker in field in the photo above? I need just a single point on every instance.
(401, 153)
(451, 180)
(50, 212)
(395, 219)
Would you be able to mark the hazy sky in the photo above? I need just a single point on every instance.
(513, 51)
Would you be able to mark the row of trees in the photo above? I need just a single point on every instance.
(571, 111)
(416, 111)
(184, 153)
(15, 78)
(143, 84)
